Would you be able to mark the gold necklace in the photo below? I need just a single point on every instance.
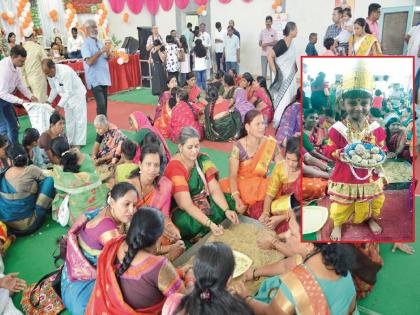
(355, 134)
(246, 146)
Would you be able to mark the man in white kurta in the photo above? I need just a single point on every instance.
(206, 39)
(65, 82)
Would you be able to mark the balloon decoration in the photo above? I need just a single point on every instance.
(152, 6)
(166, 4)
(71, 17)
(125, 17)
(225, 1)
(201, 2)
(53, 15)
(122, 56)
(202, 10)
(118, 5)
(276, 6)
(135, 6)
(181, 4)
(101, 18)
(24, 16)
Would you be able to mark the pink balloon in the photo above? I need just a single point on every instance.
(135, 5)
(152, 6)
(181, 4)
(247, 1)
(225, 1)
(201, 2)
(117, 5)
(166, 4)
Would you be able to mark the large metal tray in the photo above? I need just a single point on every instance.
(185, 257)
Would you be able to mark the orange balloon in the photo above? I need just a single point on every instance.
(69, 6)
(4, 16)
(68, 25)
(278, 2)
(25, 25)
(200, 10)
(107, 30)
(101, 6)
(126, 58)
(274, 6)
(10, 21)
(125, 17)
(73, 11)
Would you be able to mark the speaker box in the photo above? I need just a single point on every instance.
(131, 44)
(144, 33)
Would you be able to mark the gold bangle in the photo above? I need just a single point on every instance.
(236, 193)
(248, 298)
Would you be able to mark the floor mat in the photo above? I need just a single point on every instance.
(141, 95)
(395, 225)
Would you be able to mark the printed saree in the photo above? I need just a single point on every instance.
(107, 297)
(363, 46)
(191, 230)
(221, 127)
(85, 191)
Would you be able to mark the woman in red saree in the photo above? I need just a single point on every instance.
(162, 122)
(131, 278)
(184, 114)
(194, 91)
(250, 160)
(165, 96)
(396, 140)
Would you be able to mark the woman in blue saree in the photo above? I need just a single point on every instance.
(25, 193)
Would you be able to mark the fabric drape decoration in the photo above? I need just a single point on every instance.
(247, 1)
(166, 4)
(201, 2)
(225, 1)
(181, 4)
(117, 5)
(48, 26)
(135, 6)
(152, 6)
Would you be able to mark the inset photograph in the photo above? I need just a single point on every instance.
(358, 127)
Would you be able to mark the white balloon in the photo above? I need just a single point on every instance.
(100, 11)
(10, 14)
(21, 19)
(105, 23)
(68, 11)
(120, 61)
(279, 9)
(204, 13)
(28, 6)
(31, 24)
(24, 13)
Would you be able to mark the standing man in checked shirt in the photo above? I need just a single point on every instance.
(334, 29)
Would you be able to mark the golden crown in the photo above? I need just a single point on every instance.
(359, 79)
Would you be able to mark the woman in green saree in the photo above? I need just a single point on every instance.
(199, 205)
(78, 190)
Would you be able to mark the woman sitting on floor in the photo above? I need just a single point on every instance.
(258, 95)
(184, 114)
(163, 118)
(396, 140)
(30, 142)
(249, 164)
(322, 283)
(199, 204)
(126, 164)
(141, 124)
(156, 191)
(313, 137)
(171, 83)
(221, 123)
(86, 239)
(241, 103)
(229, 87)
(193, 90)
(77, 188)
(213, 270)
(131, 278)
(110, 138)
(26, 194)
(56, 130)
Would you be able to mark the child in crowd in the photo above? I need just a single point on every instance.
(310, 48)
(345, 33)
(30, 142)
(126, 165)
(4, 142)
(330, 46)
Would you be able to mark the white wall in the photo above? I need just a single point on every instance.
(309, 15)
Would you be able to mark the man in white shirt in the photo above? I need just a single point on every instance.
(231, 50)
(65, 82)
(188, 34)
(74, 45)
(10, 80)
(206, 39)
(155, 35)
(219, 37)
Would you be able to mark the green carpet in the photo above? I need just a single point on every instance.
(142, 96)
(396, 291)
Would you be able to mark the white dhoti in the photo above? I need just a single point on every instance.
(76, 120)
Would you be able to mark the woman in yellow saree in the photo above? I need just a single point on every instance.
(250, 160)
(363, 43)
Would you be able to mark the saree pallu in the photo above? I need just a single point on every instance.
(163, 99)
(290, 124)
(313, 188)
(191, 230)
(86, 192)
(222, 127)
(264, 101)
(252, 178)
(162, 122)
(107, 297)
(194, 94)
(159, 198)
(363, 47)
(395, 142)
(182, 116)
(112, 141)
(19, 210)
(284, 86)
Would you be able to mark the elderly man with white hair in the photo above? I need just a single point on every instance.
(110, 138)
(65, 82)
(95, 56)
